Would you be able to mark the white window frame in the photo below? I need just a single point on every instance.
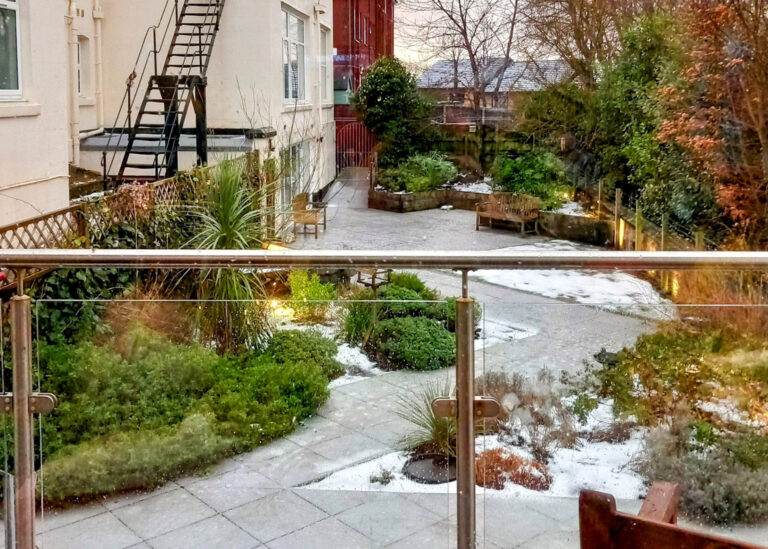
(15, 94)
(325, 36)
(295, 171)
(288, 44)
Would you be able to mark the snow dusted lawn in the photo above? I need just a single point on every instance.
(613, 291)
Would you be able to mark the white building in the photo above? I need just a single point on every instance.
(269, 89)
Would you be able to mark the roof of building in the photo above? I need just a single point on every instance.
(519, 75)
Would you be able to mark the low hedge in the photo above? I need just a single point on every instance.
(415, 343)
(138, 410)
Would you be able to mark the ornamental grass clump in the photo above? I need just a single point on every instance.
(432, 434)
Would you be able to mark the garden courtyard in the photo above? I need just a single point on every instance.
(335, 481)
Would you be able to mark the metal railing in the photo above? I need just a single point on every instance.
(24, 404)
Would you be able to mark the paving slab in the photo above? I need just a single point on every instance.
(318, 429)
(334, 502)
(53, 518)
(275, 516)
(351, 449)
(233, 489)
(329, 533)
(163, 513)
(388, 519)
(97, 532)
(215, 532)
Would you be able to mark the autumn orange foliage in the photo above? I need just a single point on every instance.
(494, 468)
(719, 111)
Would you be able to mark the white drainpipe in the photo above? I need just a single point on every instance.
(74, 106)
(98, 17)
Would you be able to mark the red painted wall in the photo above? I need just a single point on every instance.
(363, 31)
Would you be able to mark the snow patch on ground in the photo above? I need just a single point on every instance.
(728, 411)
(358, 366)
(572, 208)
(593, 466)
(494, 332)
(481, 187)
(613, 291)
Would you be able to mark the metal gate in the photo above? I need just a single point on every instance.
(354, 146)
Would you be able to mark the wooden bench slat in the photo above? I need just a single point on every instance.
(661, 503)
(602, 527)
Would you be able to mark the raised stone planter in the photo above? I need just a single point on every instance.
(416, 202)
(581, 229)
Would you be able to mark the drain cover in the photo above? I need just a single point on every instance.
(430, 469)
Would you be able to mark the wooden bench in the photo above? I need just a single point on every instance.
(306, 213)
(517, 208)
(655, 527)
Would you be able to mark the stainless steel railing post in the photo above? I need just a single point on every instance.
(465, 430)
(24, 453)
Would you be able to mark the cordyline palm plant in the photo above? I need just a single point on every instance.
(231, 219)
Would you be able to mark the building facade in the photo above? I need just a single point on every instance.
(364, 30)
(35, 146)
(66, 65)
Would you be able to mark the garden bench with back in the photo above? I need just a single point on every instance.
(509, 207)
(655, 527)
(308, 213)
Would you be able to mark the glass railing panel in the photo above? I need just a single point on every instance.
(6, 423)
(632, 382)
(275, 420)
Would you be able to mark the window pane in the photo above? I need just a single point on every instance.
(294, 72)
(9, 55)
(286, 72)
(300, 67)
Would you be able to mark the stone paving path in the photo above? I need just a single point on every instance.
(261, 499)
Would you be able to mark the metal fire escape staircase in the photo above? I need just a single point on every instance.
(153, 137)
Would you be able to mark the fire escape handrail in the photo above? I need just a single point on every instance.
(138, 78)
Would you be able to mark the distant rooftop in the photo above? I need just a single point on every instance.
(522, 76)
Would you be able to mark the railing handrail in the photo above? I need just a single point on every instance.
(457, 260)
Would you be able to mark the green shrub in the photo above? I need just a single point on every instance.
(412, 282)
(357, 318)
(536, 174)
(134, 460)
(419, 173)
(389, 104)
(414, 343)
(716, 486)
(260, 399)
(139, 409)
(397, 301)
(308, 347)
(310, 296)
(446, 312)
(154, 383)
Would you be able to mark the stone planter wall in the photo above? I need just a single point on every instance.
(568, 227)
(580, 229)
(416, 202)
